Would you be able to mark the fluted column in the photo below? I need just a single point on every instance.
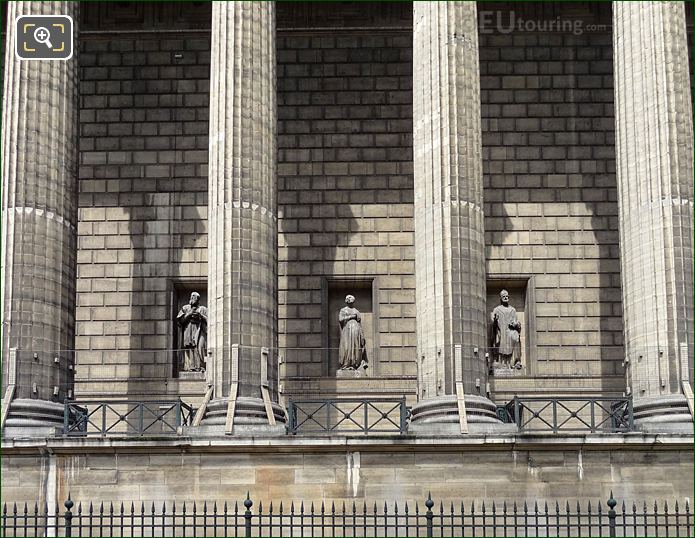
(242, 248)
(449, 233)
(654, 164)
(39, 220)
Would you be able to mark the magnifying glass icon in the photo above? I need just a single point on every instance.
(42, 35)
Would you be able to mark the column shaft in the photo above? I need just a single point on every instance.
(39, 212)
(449, 235)
(243, 195)
(654, 164)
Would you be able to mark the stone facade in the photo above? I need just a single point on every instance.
(277, 156)
(576, 469)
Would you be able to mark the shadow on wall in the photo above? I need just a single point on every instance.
(550, 188)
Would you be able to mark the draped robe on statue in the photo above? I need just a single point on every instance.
(352, 351)
(504, 338)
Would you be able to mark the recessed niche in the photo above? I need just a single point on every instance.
(334, 292)
(180, 291)
(520, 297)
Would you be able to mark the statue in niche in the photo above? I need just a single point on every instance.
(193, 320)
(505, 334)
(352, 353)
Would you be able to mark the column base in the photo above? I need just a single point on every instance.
(663, 414)
(249, 418)
(440, 415)
(33, 418)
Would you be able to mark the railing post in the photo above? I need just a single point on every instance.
(248, 503)
(517, 412)
(429, 516)
(366, 417)
(631, 416)
(68, 517)
(554, 415)
(404, 417)
(178, 414)
(142, 418)
(611, 515)
(66, 417)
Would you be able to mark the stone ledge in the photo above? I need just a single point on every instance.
(622, 441)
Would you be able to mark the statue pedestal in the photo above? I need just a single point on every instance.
(192, 375)
(361, 371)
(503, 371)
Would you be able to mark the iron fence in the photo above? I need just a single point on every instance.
(347, 415)
(125, 417)
(347, 520)
(567, 414)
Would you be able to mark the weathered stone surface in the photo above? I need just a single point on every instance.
(39, 213)
(654, 161)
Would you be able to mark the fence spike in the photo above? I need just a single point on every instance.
(292, 507)
(183, 508)
(142, 507)
(4, 508)
(14, 509)
(374, 507)
(535, 506)
(236, 507)
(656, 509)
(164, 507)
(665, 507)
(173, 506)
(26, 509)
(91, 508)
(79, 509)
(567, 507)
(270, 508)
(36, 507)
(514, 508)
(354, 507)
(557, 507)
(441, 507)
(195, 508)
(545, 507)
(483, 507)
(323, 507)
(623, 507)
(364, 507)
(225, 508)
(122, 508)
(101, 508)
(452, 507)
(525, 507)
(111, 508)
(472, 507)
(676, 506)
(311, 508)
(504, 506)
(386, 509)
(281, 507)
(260, 507)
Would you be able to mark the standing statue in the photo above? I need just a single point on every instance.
(193, 319)
(505, 333)
(353, 354)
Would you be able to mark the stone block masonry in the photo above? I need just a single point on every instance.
(143, 204)
(551, 209)
(345, 187)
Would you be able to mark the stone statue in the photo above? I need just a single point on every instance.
(193, 319)
(352, 354)
(505, 333)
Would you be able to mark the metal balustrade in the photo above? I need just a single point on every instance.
(347, 415)
(125, 417)
(569, 414)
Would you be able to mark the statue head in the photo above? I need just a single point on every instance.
(504, 297)
(195, 298)
(349, 300)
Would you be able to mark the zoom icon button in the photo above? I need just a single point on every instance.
(43, 37)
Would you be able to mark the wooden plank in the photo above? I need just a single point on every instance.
(231, 408)
(688, 391)
(463, 419)
(9, 394)
(268, 405)
(203, 407)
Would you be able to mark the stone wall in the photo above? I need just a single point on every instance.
(550, 189)
(399, 472)
(345, 189)
(143, 204)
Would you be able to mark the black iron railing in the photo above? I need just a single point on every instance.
(428, 519)
(567, 414)
(347, 415)
(125, 417)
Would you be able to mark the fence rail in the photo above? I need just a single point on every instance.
(568, 414)
(125, 417)
(428, 519)
(347, 415)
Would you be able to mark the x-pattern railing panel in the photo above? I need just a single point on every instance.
(125, 417)
(566, 414)
(347, 415)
